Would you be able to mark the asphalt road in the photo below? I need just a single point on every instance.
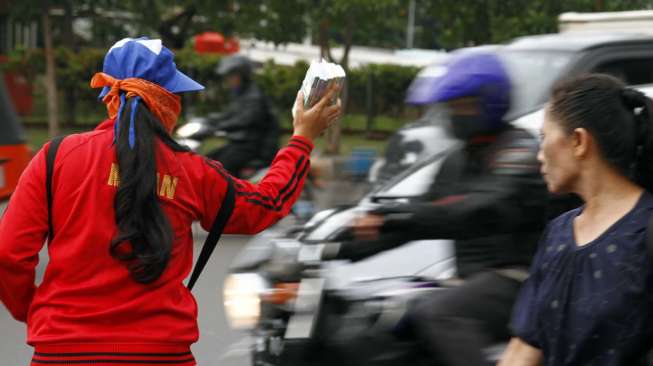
(218, 344)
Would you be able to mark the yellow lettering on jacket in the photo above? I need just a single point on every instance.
(166, 186)
(114, 176)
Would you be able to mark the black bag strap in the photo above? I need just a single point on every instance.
(221, 219)
(49, 168)
(226, 208)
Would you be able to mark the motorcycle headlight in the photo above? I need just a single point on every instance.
(189, 129)
(242, 301)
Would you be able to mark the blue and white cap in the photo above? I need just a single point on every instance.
(146, 59)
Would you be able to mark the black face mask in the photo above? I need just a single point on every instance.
(465, 127)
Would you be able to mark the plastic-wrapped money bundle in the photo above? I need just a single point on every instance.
(319, 77)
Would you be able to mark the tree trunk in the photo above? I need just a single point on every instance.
(599, 5)
(332, 137)
(181, 22)
(50, 80)
(325, 48)
(334, 132)
(69, 41)
(348, 38)
(483, 34)
(369, 103)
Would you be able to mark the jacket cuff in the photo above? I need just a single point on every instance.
(302, 143)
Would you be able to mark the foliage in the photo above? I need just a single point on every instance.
(329, 23)
(388, 87)
(381, 23)
(28, 62)
(277, 21)
(75, 70)
(280, 83)
(465, 23)
(339, 21)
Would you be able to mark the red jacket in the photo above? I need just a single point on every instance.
(87, 303)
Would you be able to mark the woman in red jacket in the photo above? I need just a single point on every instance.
(124, 197)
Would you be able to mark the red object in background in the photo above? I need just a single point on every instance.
(20, 91)
(214, 42)
(232, 45)
(13, 160)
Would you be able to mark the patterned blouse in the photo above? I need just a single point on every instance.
(590, 304)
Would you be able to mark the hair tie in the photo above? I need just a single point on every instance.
(165, 105)
(637, 103)
(633, 98)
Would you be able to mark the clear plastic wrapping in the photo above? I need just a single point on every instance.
(319, 77)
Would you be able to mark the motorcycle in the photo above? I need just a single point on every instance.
(305, 304)
(198, 130)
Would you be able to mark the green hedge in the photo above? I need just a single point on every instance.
(280, 83)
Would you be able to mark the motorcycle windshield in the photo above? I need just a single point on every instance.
(415, 181)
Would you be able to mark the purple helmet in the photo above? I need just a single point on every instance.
(471, 74)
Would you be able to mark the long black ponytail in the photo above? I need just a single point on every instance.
(641, 107)
(144, 239)
(619, 118)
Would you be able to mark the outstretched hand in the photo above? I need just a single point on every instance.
(312, 122)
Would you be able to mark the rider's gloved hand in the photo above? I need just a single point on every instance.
(367, 227)
(312, 122)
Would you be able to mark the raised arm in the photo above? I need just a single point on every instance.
(260, 205)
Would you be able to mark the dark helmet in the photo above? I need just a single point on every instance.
(473, 74)
(237, 64)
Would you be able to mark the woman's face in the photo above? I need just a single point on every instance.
(560, 165)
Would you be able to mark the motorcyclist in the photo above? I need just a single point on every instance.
(251, 126)
(489, 197)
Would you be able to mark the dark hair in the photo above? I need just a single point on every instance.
(618, 117)
(141, 221)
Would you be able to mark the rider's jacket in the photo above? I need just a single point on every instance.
(488, 195)
(250, 122)
(248, 117)
(87, 303)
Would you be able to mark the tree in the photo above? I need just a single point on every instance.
(50, 77)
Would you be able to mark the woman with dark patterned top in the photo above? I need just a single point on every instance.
(589, 297)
